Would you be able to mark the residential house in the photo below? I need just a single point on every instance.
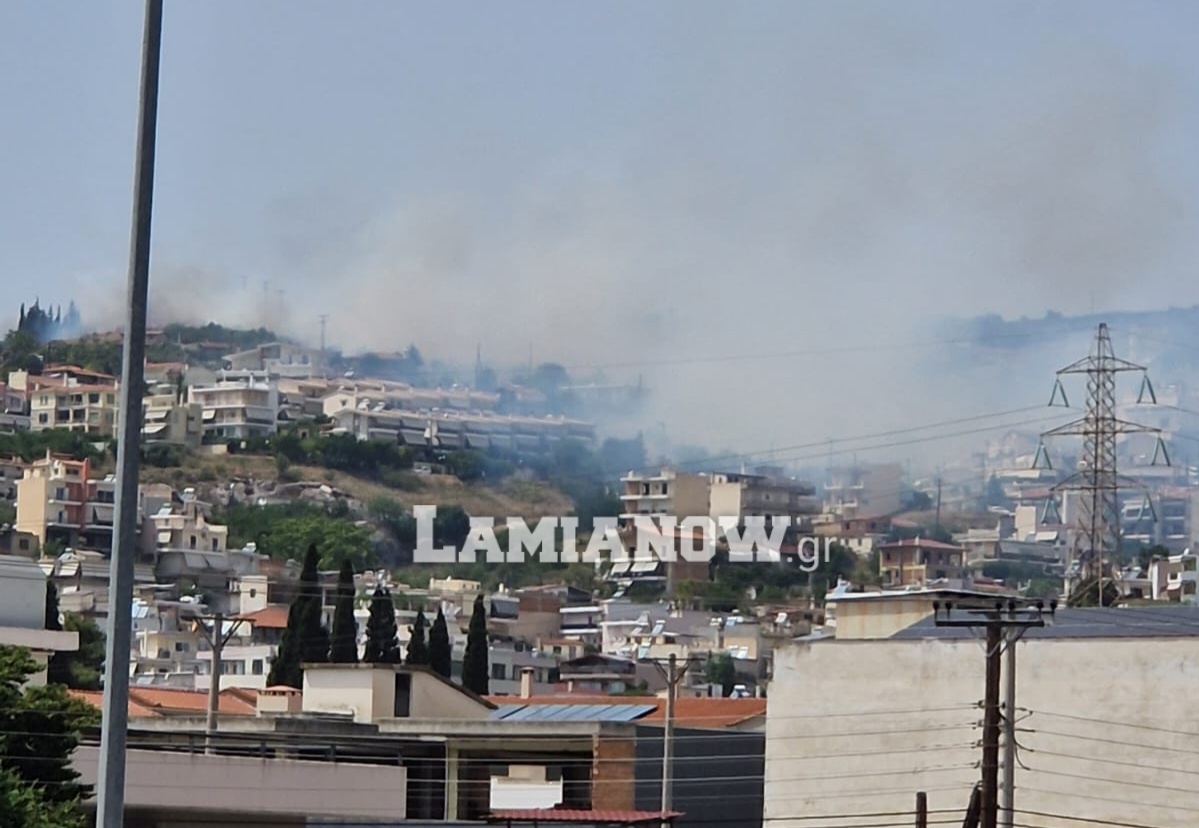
(168, 419)
(743, 495)
(864, 490)
(669, 492)
(1175, 579)
(238, 406)
(58, 501)
(278, 358)
(916, 561)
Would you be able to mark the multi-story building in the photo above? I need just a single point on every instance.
(917, 561)
(669, 492)
(758, 495)
(239, 405)
(165, 643)
(168, 419)
(66, 396)
(864, 490)
(58, 501)
(278, 358)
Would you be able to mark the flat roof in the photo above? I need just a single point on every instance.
(1166, 621)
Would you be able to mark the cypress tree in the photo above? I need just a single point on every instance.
(418, 650)
(441, 651)
(476, 674)
(305, 640)
(382, 646)
(343, 648)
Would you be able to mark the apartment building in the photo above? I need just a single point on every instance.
(165, 643)
(860, 491)
(277, 358)
(167, 419)
(669, 492)
(760, 495)
(67, 396)
(23, 614)
(57, 500)
(1167, 517)
(238, 405)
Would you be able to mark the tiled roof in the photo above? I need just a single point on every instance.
(273, 617)
(162, 701)
(548, 816)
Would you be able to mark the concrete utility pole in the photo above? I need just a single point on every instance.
(110, 783)
(921, 809)
(997, 620)
(673, 674)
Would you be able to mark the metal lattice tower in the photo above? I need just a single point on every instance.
(1097, 539)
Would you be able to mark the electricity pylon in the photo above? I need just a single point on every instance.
(1097, 539)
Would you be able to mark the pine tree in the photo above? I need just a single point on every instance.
(476, 674)
(441, 652)
(21, 318)
(382, 645)
(418, 650)
(305, 640)
(343, 648)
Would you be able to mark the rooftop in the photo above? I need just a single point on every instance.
(1109, 622)
(921, 543)
(272, 617)
(569, 816)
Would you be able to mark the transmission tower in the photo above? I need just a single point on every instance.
(1097, 482)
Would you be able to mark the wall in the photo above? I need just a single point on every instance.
(859, 726)
(22, 593)
(717, 776)
(180, 782)
(613, 771)
(348, 690)
(877, 617)
(431, 699)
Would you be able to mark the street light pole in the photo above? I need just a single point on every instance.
(110, 787)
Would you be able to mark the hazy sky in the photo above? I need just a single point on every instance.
(618, 182)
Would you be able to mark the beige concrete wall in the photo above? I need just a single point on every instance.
(358, 691)
(431, 699)
(859, 726)
(877, 617)
(181, 782)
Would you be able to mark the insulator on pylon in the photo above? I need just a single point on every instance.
(1146, 390)
(1058, 391)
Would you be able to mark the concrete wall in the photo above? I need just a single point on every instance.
(860, 726)
(182, 782)
(22, 593)
(877, 617)
(366, 693)
(431, 699)
(717, 776)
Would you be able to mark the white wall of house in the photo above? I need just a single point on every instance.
(861, 726)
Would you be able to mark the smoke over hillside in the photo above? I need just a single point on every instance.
(810, 185)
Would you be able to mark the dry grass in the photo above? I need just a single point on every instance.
(510, 499)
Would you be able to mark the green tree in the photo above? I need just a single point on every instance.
(305, 640)
(22, 806)
(721, 670)
(343, 648)
(39, 730)
(476, 672)
(418, 649)
(382, 645)
(441, 650)
(82, 669)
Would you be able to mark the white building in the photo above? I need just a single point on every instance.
(859, 726)
(23, 614)
(239, 405)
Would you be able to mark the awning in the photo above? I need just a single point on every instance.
(645, 566)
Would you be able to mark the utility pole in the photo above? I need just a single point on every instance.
(217, 639)
(997, 620)
(110, 780)
(1007, 793)
(673, 674)
(1097, 538)
(921, 810)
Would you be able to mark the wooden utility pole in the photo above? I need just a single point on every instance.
(673, 673)
(921, 810)
(217, 639)
(997, 620)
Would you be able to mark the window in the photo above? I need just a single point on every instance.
(192, 542)
(182, 647)
(214, 545)
(256, 667)
(499, 672)
(557, 650)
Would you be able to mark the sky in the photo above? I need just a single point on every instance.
(630, 189)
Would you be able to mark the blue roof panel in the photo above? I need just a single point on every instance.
(572, 712)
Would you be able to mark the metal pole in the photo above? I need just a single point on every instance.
(1007, 793)
(214, 685)
(668, 736)
(991, 726)
(921, 809)
(110, 787)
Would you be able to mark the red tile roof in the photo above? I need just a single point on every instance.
(160, 701)
(571, 815)
(272, 617)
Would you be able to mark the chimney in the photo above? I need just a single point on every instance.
(526, 682)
